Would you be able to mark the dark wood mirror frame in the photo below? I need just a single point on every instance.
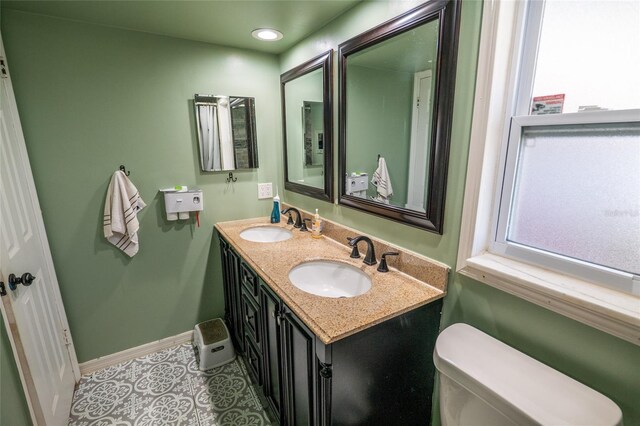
(324, 62)
(448, 12)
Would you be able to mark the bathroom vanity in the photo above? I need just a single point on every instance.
(319, 360)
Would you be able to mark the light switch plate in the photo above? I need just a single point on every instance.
(265, 190)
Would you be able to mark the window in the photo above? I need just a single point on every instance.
(551, 209)
(569, 193)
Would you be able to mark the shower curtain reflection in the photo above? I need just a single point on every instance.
(209, 154)
(224, 134)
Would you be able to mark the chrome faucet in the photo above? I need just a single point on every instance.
(370, 257)
(298, 222)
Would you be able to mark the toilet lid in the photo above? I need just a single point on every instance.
(523, 389)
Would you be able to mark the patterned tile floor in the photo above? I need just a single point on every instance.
(167, 388)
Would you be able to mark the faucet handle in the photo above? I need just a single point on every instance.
(383, 261)
(288, 213)
(355, 254)
(303, 227)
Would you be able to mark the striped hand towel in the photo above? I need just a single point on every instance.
(120, 214)
(382, 181)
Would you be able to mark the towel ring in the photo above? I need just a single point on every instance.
(124, 170)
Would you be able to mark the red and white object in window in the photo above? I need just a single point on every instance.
(551, 104)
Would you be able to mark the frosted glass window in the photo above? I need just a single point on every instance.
(590, 52)
(577, 193)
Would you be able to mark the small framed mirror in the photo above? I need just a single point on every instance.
(226, 130)
(396, 102)
(307, 127)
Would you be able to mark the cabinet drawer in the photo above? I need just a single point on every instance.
(254, 361)
(249, 280)
(251, 319)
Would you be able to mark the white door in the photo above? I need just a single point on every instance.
(33, 315)
(420, 141)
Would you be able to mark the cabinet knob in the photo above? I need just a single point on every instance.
(325, 371)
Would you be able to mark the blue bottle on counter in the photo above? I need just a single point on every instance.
(275, 213)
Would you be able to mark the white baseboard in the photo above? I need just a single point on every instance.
(129, 354)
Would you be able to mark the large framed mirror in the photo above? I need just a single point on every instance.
(396, 100)
(307, 127)
(226, 131)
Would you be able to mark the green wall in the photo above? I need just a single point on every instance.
(305, 88)
(379, 122)
(599, 360)
(13, 405)
(92, 98)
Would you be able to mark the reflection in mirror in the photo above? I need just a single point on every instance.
(306, 117)
(225, 126)
(312, 119)
(396, 91)
(389, 88)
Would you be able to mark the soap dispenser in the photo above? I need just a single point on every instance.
(317, 226)
(275, 213)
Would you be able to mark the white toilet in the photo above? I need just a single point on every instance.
(485, 382)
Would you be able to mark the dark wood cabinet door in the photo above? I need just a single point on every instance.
(253, 361)
(299, 371)
(271, 308)
(251, 318)
(249, 279)
(224, 260)
(235, 294)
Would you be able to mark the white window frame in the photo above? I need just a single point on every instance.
(602, 275)
(482, 254)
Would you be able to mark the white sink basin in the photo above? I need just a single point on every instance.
(266, 234)
(330, 279)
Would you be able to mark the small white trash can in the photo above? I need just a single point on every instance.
(212, 344)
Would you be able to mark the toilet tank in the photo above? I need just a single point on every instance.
(485, 382)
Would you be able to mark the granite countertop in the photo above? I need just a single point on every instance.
(392, 293)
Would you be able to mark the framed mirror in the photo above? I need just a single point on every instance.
(396, 102)
(307, 127)
(226, 130)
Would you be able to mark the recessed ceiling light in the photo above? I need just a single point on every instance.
(267, 34)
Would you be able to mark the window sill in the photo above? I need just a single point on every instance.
(608, 310)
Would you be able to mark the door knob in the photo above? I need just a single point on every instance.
(26, 279)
